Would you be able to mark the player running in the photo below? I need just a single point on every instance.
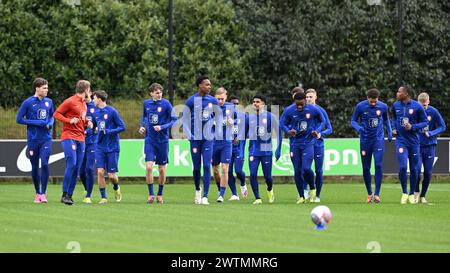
(428, 142)
(319, 145)
(197, 122)
(72, 113)
(408, 118)
(222, 149)
(108, 126)
(368, 119)
(262, 124)
(37, 113)
(158, 117)
(305, 123)
(87, 166)
(240, 131)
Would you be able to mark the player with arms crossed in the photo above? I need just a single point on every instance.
(37, 113)
(197, 122)
(72, 113)
(408, 118)
(428, 142)
(158, 117)
(108, 125)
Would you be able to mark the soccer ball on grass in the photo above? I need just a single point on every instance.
(321, 216)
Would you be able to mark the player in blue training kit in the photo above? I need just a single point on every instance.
(372, 114)
(408, 118)
(37, 113)
(87, 174)
(261, 127)
(428, 142)
(158, 117)
(223, 137)
(240, 131)
(286, 129)
(305, 122)
(108, 125)
(319, 145)
(197, 123)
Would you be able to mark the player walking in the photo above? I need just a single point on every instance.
(305, 123)
(158, 117)
(368, 119)
(428, 142)
(408, 118)
(72, 113)
(197, 122)
(108, 125)
(37, 113)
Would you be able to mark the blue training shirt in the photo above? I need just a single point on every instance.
(37, 115)
(198, 117)
(436, 125)
(240, 131)
(109, 124)
(368, 121)
(304, 122)
(223, 128)
(411, 112)
(260, 133)
(326, 129)
(158, 113)
(90, 133)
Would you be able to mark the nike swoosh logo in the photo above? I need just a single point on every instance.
(24, 164)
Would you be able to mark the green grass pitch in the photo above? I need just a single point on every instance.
(180, 226)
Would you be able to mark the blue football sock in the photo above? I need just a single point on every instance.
(160, 189)
(222, 191)
(103, 192)
(44, 178)
(150, 189)
(115, 187)
(36, 179)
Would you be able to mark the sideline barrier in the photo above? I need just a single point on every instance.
(341, 158)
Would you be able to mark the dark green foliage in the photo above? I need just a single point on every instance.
(340, 48)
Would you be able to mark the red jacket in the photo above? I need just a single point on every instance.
(73, 107)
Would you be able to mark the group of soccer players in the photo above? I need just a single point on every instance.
(217, 129)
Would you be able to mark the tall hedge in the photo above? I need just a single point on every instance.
(339, 47)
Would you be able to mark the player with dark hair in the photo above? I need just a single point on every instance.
(284, 129)
(37, 113)
(72, 113)
(368, 119)
(428, 142)
(240, 132)
(408, 118)
(109, 124)
(158, 117)
(197, 123)
(319, 145)
(87, 173)
(262, 124)
(305, 123)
